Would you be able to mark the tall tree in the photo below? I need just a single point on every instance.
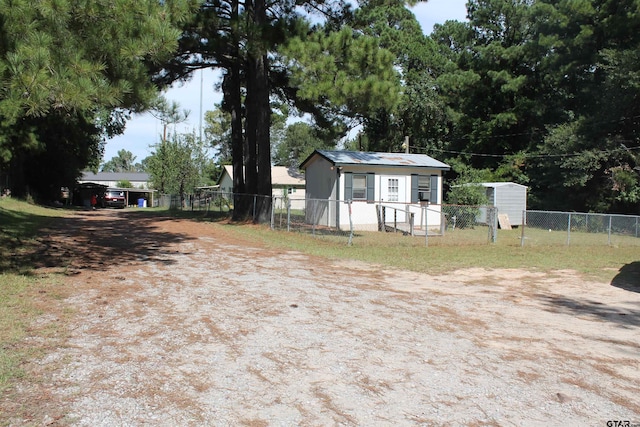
(243, 38)
(179, 164)
(592, 62)
(80, 64)
(346, 75)
(420, 113)
(123, 162)
(299, 142)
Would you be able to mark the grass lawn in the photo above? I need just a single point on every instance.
(21, 292)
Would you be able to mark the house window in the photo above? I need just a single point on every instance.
(424, 188)
(359, 187)
(289, 190)
(393, 189)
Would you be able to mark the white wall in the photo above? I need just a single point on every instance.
(364, 214)
(511, 199)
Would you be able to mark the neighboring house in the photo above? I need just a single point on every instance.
(138, 180)
(284, 182)
(510, 199)
(138, 194)
(402, 181)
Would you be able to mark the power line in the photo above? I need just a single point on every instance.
(527, 155)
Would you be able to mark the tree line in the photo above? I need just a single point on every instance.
(540, 92)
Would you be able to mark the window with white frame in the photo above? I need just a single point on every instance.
(392, 189)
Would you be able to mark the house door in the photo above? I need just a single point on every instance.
(393, 192)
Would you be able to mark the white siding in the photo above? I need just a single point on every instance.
(510, 198)
(364, 214)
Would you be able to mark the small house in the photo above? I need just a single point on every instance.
(139, 194)
(285, 182)
(403, 182)
(138, 180)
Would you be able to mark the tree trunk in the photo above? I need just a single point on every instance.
(233, 100)
(251, 127)
(263, 140)
(259, 115)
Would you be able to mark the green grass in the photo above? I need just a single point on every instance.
(19, 226)
(458, 249)
(589, 254)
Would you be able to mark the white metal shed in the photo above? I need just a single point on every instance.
(510, 199)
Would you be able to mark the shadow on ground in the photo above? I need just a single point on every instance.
(97, 240)
(628, 278)
(593, 309)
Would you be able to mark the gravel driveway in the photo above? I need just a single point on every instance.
(176, 323)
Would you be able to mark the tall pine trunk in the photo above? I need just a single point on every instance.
(233, 101)
(259, 114)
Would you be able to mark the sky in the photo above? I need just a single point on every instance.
(200, 95)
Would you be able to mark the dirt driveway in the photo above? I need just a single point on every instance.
(175, 323)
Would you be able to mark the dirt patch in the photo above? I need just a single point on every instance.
(177, 323)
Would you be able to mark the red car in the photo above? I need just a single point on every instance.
(114, 199)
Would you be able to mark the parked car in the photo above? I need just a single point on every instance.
(114, 199)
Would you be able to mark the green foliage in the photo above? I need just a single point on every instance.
(345, 74)
(123, 162)
(465, 188)
(124, 184)
(420, 112)
(217, 131)
(544, 93)
(82, 66)
(299, 142)
(179, 164)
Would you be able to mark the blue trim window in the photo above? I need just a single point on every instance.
(424, 188)
(359, 189)
(359, 186)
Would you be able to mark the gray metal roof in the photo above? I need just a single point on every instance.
(501, 184)
(339, 158)
(115, 176)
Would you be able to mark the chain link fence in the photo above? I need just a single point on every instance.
(467, 224)
(576, 228)
(448, 224)
(318, 217)
(437, 224)
(344, 219)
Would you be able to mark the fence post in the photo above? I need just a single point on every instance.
(609, 233)
(254, 206)
(273, 212)
(426, 229)
(350, 225)
(524, 221)
(569, 230)
(288, 215)
(395, 220)
(411, 219)
(314, 216)
(384, 219)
